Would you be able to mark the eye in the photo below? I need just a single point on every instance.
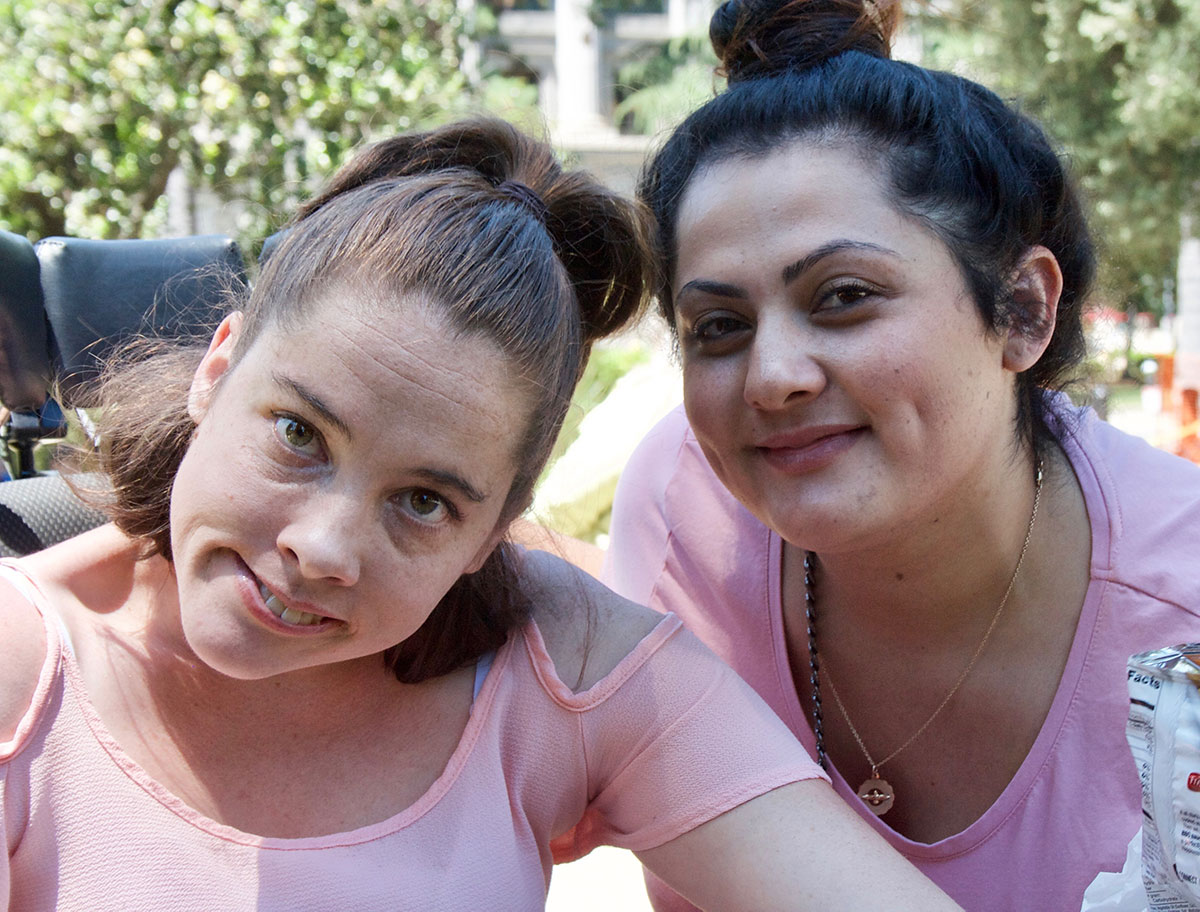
(296, 435)
(843, 297)
(718, 327)
(427, 506)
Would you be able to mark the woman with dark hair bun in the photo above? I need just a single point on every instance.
(877, 503)
(301, 670)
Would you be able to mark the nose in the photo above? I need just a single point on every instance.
(324, 539)
(782, 368)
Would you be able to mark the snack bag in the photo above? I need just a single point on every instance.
(1163, 731)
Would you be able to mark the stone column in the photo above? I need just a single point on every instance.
(577, 63)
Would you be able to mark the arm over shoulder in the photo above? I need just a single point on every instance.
(23, 645)
(796, 848)
(672, 738)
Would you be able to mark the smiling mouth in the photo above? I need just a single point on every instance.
(281, 611)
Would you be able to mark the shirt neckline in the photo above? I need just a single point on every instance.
(481, 712)
(1023, 781)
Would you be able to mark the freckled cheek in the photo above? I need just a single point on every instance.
(710, 422)
(713, 389)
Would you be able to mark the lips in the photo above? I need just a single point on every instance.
(808, 448)
(284, 613)
(799, 438)
(278, 613)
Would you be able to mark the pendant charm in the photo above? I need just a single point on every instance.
(878, 795)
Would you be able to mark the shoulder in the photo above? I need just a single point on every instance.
(1144, 508)
(587, 628)
(669, 456)
(23, 655)
(655, 459)
(669, 500)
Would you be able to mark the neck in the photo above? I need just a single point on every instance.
(940, 574)
(144, 606)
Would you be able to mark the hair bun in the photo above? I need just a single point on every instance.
(754, 38)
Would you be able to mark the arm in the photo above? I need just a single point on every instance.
(799, 847)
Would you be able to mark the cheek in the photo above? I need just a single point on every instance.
(712, 395)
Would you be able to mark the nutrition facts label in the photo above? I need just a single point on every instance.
(1164, 735)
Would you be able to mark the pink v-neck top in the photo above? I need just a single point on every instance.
(682, 543)
(541, 774)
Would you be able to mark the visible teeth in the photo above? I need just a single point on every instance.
(303, 618)
(290, 615)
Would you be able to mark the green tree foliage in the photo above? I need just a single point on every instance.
(1117, 83)
(658, 88)
(101, 99)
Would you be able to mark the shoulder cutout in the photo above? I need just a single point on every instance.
(588, 629)
(22, 655)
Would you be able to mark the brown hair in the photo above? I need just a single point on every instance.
(481, 221)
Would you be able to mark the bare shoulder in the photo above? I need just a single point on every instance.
(22, 654)
(588, 628)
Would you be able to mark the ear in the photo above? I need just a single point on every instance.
(213, 366)
(1035, 291)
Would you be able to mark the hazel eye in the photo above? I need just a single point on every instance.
(427, 506)
(295, 434)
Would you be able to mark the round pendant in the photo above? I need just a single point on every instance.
(878, 795)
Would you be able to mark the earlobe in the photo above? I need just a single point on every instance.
(213, 366)
(1035, 293)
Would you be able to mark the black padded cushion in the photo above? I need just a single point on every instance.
(24, 342)
(38, 512)
(269, 245)
(99, 294)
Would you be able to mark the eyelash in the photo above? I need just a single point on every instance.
(284, 419)
(700, 330)
(452, 512)
(860, 290)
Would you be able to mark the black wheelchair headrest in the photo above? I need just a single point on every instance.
(24, 341)
(38, 512)
(270, 244)
(99, 294)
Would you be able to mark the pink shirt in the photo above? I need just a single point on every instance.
(681, 543)
(540, 774)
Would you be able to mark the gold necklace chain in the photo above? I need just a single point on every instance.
(876, 791)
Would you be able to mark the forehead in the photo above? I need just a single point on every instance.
(801, 189)
(399, 365)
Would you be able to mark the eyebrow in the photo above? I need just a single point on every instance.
(315, 402)
(446, 478)
(441, 477)
(805, 263)
(710, 287)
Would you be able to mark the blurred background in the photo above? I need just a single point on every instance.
(163, 118)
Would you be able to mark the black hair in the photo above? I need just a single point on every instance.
(981, 175)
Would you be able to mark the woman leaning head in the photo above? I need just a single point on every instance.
(472, 249)
(812, 91)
